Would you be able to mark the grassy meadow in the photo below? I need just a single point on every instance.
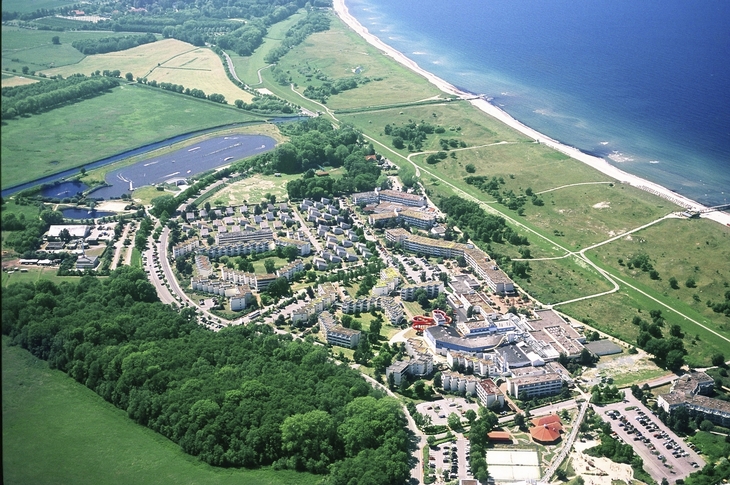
(56, 431)
(253, 189)
(33, 48)
(345, 52)
(73, 135)
(247, 67)
(704, 256)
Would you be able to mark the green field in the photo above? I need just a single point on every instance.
(703, 253)
(345, 52)
(34, 274)
(33, 48)
(71, 136)
(253, 189)
(247, 67)
(713, 446)
(27, 7)
(56, 431)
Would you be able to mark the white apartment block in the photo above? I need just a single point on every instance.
(185, 248)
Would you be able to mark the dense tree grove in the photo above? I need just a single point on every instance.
(23, 234)
(44, 95)
(482, 227)
(111, 44)
(240, 397)
(669, 352)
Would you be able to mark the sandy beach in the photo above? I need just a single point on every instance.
(598, 163)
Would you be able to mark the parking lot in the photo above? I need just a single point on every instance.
(453, 457)
(440, 410)
(663, 452)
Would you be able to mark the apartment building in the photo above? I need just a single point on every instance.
(243, 236)
(489, 394)
(336, 334)
(432, 289)
(290, 269)
(185, 248)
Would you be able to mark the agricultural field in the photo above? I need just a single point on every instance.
(44, 441)
(346, 52)
(166, 60)
(11, 81)
(77, 134)
(33, 48)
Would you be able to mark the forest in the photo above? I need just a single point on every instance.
(482, 227)
(111, 44)
(242, 397)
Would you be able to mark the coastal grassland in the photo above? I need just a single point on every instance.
(589, 214)
(247, 66)
(144, 194)
(555, 280)
(460, 120)
(33, 48)
(253, 189)
(11, 81)
(613, 314)
(23, 6)
(74, 135)
(57, 431)
(345, 52)
(35, 274)
(681, 248)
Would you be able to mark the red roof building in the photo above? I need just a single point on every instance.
(546, 429)
(503, 436)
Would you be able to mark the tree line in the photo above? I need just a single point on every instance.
(180, 89)
(314, 22)
(111, 44)
(45, 95)
(243, 397)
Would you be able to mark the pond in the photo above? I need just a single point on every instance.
(76, 213)
(178, 166)
(64, 189)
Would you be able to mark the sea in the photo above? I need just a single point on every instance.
(644, 84)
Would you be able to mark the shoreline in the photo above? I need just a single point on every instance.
(483, 105)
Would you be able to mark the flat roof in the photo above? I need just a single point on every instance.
(603, 347)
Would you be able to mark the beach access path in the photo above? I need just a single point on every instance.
(485, 106)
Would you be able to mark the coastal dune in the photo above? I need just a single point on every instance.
(598, 163)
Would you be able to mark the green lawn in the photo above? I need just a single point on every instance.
(130, 116)
(34, 274)
(56, 431)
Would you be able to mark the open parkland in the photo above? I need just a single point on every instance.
(583, 237)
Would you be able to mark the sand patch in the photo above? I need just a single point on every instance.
(112, 206)
(602, 205)
(265, 91)
(598, 471)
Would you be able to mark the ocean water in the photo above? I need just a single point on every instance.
(645, 85)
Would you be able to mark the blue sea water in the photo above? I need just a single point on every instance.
(645, 84)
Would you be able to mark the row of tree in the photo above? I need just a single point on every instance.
(111, 44)
(180, 89)
(240, 397)
(482, 227)
(45, 95)
(315, 21)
